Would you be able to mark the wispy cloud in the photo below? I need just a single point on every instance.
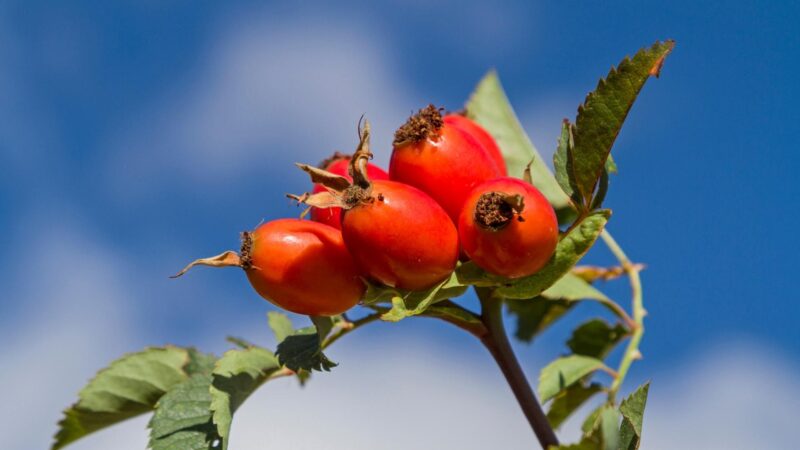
(271, 92)
(64, 281)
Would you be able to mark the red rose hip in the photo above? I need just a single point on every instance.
(402, 238)
(440, 159)
(298, 265)
(508, 228)
(480, 134)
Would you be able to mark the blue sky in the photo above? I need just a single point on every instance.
(137, 136)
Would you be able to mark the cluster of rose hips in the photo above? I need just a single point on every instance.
(446, 197)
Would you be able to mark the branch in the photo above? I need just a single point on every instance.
(497, 343)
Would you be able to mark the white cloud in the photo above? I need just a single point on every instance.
(72, 321)
(735, 395)
(272, 91)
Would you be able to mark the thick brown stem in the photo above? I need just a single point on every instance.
(497, 343)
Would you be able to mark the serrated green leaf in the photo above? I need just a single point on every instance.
(238, 373)
(569, 251)
(595, 338)
(632, 408)
(407, 304)
(303, 350)
(568, 401)
(601, 116)
(563, 372)
(182, 420)
(280, 324)
(609, 428)
(627, 436)
(535, 315)
(489, 106)
(128, 387)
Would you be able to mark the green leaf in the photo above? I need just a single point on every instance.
(591, 420)
(182, 420)
(601, 116)
(199, 362)
(535, 315)
(609, 427)
(569, 251)
(632, 409)
(572, 287)
(584, 444)
(602, 187)
(280, 324)
(128, 387)
(569, 400)
(563, 372)
(407, 304)
(323, 324)
(489, 106)
(595, 338)
(563, 163)
(600, 430)
(627, 436)
(237, 375)
(303, 350)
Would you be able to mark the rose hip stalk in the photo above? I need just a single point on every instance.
(338, 164)
(298, 265)
(396, 233)
(508, 228)
(441, 159)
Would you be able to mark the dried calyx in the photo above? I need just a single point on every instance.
(227, 259)
(426, 123)
(340, 191)
(495, 210)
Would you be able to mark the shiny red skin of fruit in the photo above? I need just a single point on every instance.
(333, 216)
(446, 167)
(403, 238)
(481, 135)
(520, 248)
(304, 267)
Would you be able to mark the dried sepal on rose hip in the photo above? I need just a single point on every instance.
(298, 265)
(508, 228)
(398, 235)
(339, 164)
(441, 159)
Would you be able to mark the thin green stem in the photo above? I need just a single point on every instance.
(353, 325)
(497, 343)
(632, 352)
